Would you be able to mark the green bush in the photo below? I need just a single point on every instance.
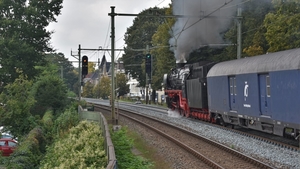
(66, 121)
(126, 159)
(81, 148)
(29, 152)
(71, 94)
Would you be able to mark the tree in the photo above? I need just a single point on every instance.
(91, 67)
(88, 90)
(163, 58)
(23, 37)
(96, 91)
(254, 41)
(121, 84)
(17, 101)
(102, 89)
(283, 26)
(50, 92)
(65, 69)
(138, 36)
(105, 87)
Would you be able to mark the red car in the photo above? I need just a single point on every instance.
(7, 146)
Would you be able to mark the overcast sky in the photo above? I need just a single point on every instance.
(86, 22)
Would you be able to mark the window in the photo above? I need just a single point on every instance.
(268, 86)
(232, 85)
(12, 144)
(2, 143)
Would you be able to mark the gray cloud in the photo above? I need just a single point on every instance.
(87, 23)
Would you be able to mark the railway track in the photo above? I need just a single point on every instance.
(290, 144)
(211, 153)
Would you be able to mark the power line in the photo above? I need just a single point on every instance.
(206, 16)
(107, 34)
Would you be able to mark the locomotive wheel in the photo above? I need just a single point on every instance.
(222, 123)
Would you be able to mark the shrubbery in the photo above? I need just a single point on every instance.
(123, 146)
(81, 148)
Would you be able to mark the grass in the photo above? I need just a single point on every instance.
(147, 151)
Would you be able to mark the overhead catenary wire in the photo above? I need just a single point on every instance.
(206, 16)
(123, 35)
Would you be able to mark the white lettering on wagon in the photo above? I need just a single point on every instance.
(247, 105)
(246, 90)
(246, 94)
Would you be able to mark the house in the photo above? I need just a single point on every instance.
(134, 90)
(104, 69)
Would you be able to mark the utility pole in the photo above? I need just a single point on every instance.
(149, 76)
(239, 33)
(147, 95)
(147, 80)
(112, 14)
(79, 70)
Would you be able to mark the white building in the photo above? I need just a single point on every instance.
(134, 90)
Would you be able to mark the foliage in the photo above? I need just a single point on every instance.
(23, 37)
(81, 148)
(121, 81)
(163, 58)
(77, 103)
(30, 152)
(88, 90)
(50, 91)
(254, 50)
(17, 101)
(71, 94)
(48, 124)
(100, 91)
(65, 69)
(91, 67)
(254, 41)
(31, 149)
(123, 146)
(65, 121)
(96, 91)
(76, 86)
(138, 36)
(104, 87)
(283, 26)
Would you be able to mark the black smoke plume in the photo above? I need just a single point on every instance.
(199, 23)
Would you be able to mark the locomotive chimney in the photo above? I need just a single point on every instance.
(179, 65)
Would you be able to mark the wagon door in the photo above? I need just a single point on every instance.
(232, 94)
(265, 95)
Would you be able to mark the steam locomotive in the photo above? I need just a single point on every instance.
(260, 92)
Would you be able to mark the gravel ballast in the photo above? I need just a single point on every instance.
(280, 157)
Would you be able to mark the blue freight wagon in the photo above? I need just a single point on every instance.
(261, 92)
